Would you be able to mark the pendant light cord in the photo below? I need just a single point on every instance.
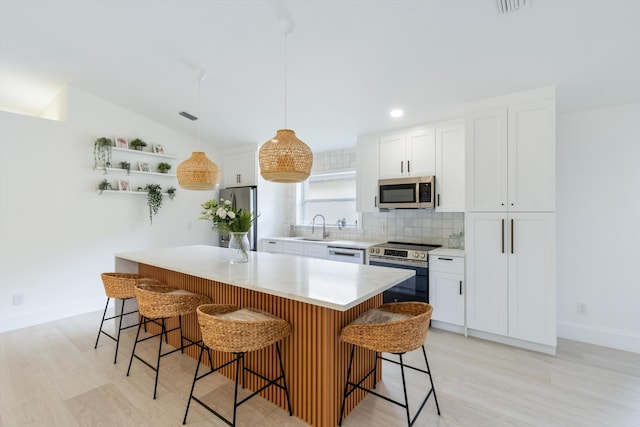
(199, 113)
(285, 80)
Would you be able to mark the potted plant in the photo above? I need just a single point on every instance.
(102, 153)
(154, 199)
(171, 192)
(126, 166)
(164, 167)
(138, 144)
(104, 185)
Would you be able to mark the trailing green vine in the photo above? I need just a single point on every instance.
(154, 199)
(102, 153)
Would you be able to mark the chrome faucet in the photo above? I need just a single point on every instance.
(324, 229)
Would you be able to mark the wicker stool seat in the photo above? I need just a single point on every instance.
(117, 286)
(156, 303)
(229, 329)
(395, 328)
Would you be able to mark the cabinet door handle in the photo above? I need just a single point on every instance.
(460, 287)
(408, 166)
(502, 228)
(438, 199)
(446, 259)
(401, 167)
(512, 236)
(375, 201)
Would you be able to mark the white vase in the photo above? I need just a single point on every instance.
(239, 245)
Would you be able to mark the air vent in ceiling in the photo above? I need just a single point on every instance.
(506, 6)
(188, 116)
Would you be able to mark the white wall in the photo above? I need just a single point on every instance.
(57, 233)
(599, 226)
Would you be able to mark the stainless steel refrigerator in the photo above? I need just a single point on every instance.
(245, 198)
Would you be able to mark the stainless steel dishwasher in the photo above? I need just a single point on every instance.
(351, 255)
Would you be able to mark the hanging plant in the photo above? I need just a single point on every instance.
(126, 166)
(171, 192)
(154, 199)
(102, 153)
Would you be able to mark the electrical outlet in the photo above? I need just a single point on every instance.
(18, 299)
(381, 227)
(582, 308)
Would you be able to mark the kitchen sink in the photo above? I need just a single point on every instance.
(309, 239)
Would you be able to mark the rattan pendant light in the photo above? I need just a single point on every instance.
(198, 172)
(284, 158)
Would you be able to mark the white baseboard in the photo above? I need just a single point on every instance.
(447, 326)
(25, 319)
(614, 338)
(541, 348)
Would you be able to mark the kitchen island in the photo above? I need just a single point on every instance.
(318, 297)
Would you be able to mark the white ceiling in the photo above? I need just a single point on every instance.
(349, 61)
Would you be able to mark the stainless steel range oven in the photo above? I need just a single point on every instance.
(412, 256)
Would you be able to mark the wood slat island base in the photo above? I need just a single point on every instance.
(318, 297)
(314, 358)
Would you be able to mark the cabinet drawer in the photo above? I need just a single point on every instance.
(315, 250)
(293, 248)
(273, 246)
(447, 264)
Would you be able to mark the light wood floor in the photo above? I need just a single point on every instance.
(52, 376)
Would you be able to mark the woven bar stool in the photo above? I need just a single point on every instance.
(229, 329)
(156, 303)
(118, 286)
(391, 328)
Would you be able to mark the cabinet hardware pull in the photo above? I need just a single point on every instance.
(408, 166)
(502, 228)
(460, 287)
(375, 201)
(401, 167)
(512, 236)
(446, 259)
(438, 199)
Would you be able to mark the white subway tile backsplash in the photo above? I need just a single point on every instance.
(410, 225)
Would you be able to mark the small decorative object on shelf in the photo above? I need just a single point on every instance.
(154, 199)
(236, 222)
(158, 149)
(121, 142)
(164, 167)
(171, 192)
(102, 153)
(104, 185)
(126, 166)
(138, 144)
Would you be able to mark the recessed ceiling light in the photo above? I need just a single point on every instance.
(396, 113)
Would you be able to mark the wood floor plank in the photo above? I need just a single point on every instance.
(51, 375)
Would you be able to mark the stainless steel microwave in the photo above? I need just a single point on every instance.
(407, 193)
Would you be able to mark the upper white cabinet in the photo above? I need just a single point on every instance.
(241, 169)
(367, 172)
(450, 167)
(510, 153)
(408, 153)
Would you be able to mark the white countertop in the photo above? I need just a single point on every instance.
(447, 252)
(331, 284)
(355, 244)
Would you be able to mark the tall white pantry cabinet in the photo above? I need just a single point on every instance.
(510, 145)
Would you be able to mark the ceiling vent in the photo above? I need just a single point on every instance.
(506, 6)
(188, 116)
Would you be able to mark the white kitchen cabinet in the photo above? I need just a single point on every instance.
(367, 173)
(241, 169)
(271, 245)
(315, 250)
(293, 248)
(450, 168)
(408, 153)
(510, 153)
(446, 288)
(510, 275)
